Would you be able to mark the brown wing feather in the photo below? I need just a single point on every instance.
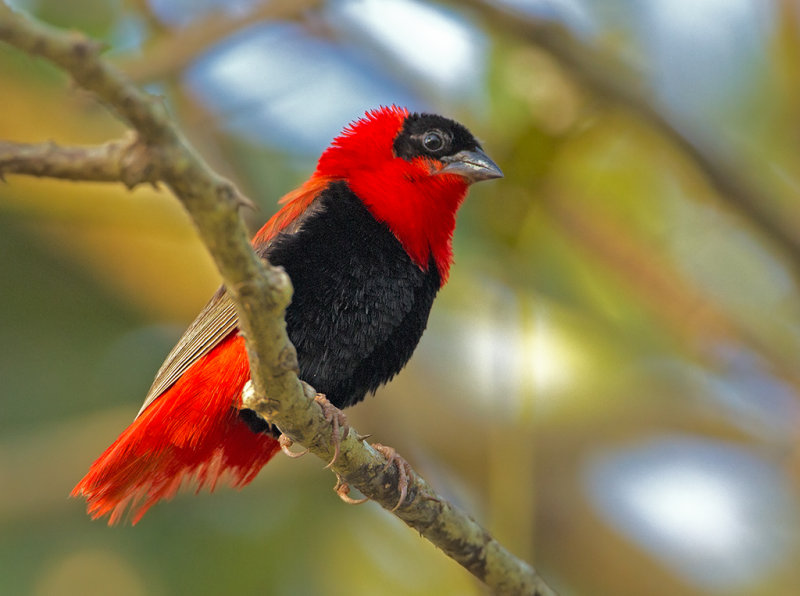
(218, 318)
(215, 322)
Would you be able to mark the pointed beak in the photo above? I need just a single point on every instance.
(473, 165)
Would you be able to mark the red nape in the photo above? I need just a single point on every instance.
(191, 431)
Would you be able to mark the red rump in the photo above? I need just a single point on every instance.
(181, 437)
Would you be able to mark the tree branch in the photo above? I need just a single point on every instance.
(261, 294)
(125, 160)
(169, 54)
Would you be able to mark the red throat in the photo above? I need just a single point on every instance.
(418, 207)
(415, 202)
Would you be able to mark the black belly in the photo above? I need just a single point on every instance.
(360, 305)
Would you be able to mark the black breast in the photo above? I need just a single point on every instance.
(360, 304)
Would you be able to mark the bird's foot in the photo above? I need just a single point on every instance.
(403, 470)
(343, 490)
(285, 443)
(337, 419)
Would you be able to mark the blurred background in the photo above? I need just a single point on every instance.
(611, 380)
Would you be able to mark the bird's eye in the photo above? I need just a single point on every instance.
(433, 140)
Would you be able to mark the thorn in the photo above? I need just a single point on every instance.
(244, 202)
(228, 192)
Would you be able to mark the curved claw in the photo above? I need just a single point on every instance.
(343, 490)
(403, 470)
(337, 420)
(285, 444)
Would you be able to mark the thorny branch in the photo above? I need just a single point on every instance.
(158, 152)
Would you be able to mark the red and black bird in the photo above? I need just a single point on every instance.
(367, 243)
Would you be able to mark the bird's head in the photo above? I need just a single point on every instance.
(412, 172)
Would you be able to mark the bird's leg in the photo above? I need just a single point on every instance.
(403, 470)
(337, 420)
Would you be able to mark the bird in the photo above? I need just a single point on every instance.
(367, 244)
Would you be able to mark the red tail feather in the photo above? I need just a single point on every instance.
(191, 431)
